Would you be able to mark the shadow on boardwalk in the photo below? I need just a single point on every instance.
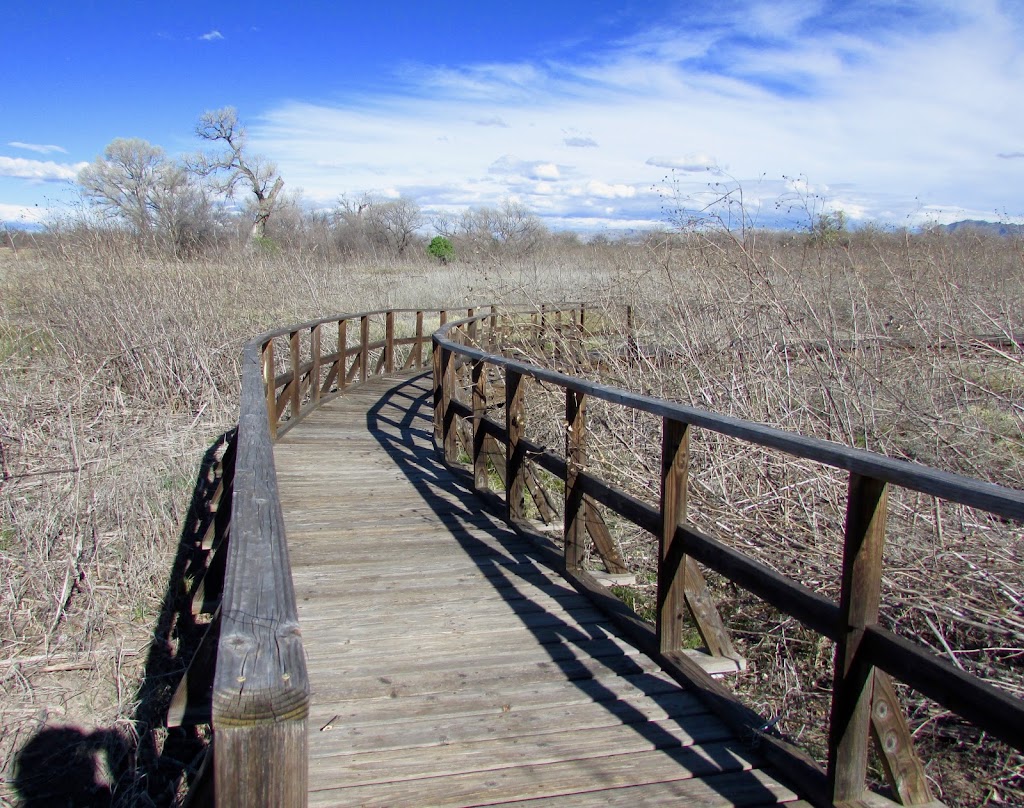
(67, 766)
(401, 422)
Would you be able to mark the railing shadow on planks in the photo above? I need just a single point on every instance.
(257, 696)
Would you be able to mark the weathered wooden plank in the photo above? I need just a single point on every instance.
(515, 675)
(753, 788)
(445, 759)
(568, 777)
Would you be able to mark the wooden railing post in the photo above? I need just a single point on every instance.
(389, 342)
(271, 389)
(449, 434)
(296, 394)
(471, 328)
(479, 376)
(850, 725)
(435, 357)
(342, 354)
(492, 329)
(314, 373)
(515, 459)
(575, 461)
(364, 347)
(418, 349)
(675, 465)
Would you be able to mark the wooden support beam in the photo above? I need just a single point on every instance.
(314, 374)
(603, 541)
(850, 724)
(271, 389)
(481, 481)
(193, 698)
(895, 744)
(389, 342)
(675, 461)
(295, 397)
(449, 435)
(575, 462)
(515, 455)
(417, 350)
(342, 355)
(438, 397)
(364, 347)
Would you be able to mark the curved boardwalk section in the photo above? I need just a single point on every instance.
(448, 665)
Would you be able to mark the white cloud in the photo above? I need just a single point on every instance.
(881, 122)
(22, 214)
(691, 162)
(211, 36)
(43, 170)
(37, 147)
(494, 120)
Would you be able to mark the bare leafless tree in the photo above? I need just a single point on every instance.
(236, 165)
(134, 183)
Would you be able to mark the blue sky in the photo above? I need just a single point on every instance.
(900, 112)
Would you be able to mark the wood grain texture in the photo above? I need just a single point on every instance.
(448, 664)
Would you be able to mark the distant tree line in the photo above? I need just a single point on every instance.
(228, 195)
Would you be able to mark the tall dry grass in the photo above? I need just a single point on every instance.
(117, 371)
(908, 345)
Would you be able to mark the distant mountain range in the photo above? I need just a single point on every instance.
(992, 228)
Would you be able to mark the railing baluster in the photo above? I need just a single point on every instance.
(479, 375)
(849, 730)
(364, 347)
(515, 460)
(419, 340)
(271, 387)
(314, 373)
(675, 464)
(296, 394)
(575, 461)
(389, 342)
(450, 436)
(342, 355)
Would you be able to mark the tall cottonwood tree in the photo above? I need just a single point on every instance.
(135, 184)
(233, 162)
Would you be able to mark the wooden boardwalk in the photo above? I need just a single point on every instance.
(447, 665)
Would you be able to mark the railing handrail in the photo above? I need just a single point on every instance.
(993, 498)
(864, 648)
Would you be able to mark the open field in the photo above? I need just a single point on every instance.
(118, 371)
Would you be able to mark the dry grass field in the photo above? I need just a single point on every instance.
(118, 371)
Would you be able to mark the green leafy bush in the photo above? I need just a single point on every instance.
(441, 248)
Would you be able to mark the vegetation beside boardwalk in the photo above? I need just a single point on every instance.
(118, 368)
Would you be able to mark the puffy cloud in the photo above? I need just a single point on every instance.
(580, 142)
(44, 170)
(510, 166)
(212, 36)
(494, 120)
(602, 190)
(37, 147)
(690, 162)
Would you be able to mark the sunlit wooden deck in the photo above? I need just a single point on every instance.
(447, 665)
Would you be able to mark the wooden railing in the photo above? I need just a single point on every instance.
(864, 703)
(248, 679)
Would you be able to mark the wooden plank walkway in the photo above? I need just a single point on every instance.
(448, 665)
